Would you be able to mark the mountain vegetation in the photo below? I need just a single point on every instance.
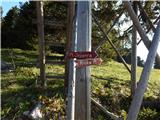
(19, 26)
(110, 82)
(110, 87)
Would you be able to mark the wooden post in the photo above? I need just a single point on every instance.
(70, 15)
(141, 32)
(40, 24)
(111, 115)
(144, 14)
(71, 91)
(134, 55)
(104, 40)
(150, 28)
(142, 85)
(111, 43)
(83, 96)
(72, 70)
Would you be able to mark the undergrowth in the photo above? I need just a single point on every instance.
(110, 87)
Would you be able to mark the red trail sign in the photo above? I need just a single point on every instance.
(82, 55)
(86, 62)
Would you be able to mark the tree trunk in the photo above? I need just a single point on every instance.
(40, 20)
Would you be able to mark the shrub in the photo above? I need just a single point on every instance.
(148, 114)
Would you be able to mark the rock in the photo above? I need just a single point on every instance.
(35, 113)
(5, 67)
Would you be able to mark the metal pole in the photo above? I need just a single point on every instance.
(134, 55)
(142, 85)
(40, 20)
(82, 98)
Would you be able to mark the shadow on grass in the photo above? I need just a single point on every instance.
(15, 102)
(112, 80)
(19, 57)
(112, 93)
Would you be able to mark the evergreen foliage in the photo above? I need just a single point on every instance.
(19, 28)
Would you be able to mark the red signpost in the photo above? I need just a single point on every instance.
(82, 55)
(86, 62)
(85, 58)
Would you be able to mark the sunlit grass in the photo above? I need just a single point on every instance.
(110, 84)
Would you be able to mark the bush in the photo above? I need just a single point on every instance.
(148, 114)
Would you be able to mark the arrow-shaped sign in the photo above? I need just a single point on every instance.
(82, 55)
(86, 62)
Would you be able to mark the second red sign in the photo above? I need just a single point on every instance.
(87, 62)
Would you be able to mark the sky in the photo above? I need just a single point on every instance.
(8, 4)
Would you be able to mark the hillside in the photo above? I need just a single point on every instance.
(110, 87)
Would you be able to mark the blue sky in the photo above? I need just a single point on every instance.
(8, 4)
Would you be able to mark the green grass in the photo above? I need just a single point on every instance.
(110, 86)
(116, 74)
(18, 89)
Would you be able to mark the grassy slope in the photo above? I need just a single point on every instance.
(118, 75)
(110, 85)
